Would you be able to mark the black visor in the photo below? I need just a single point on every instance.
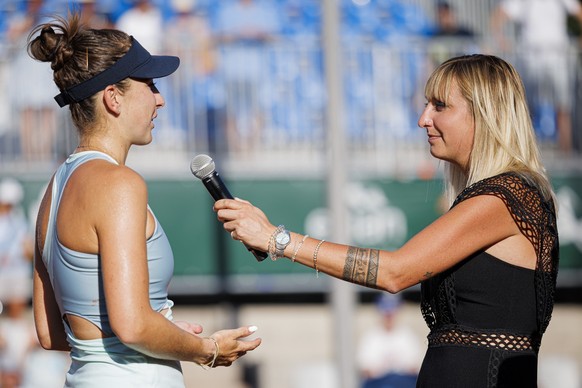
(136, 63)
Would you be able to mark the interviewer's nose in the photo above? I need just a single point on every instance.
(424, 120)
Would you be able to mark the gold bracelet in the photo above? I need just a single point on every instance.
(210, 364)
(298, 247)
(315, 257)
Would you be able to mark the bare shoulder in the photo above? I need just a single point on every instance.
(479, 209)
(99, 195)
(102, 179)
(486, 202)
(473, 224)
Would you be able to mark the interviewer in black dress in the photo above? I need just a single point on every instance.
(488, 266)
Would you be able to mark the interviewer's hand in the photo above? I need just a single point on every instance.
(245, 222)
(232, 346)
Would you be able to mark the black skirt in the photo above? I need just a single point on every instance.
(472, 367)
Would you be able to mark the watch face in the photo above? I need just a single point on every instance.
(283, 238)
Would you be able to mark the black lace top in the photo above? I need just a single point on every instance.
(488, 303)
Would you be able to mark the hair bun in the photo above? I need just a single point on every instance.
(52, 47)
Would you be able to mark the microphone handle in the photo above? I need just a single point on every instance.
(216, 187)
(218, 190)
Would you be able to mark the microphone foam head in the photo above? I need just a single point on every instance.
(202, 165)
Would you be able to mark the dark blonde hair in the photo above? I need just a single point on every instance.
(504, 139)
(77, 53)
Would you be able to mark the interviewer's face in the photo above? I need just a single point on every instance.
(450, 128)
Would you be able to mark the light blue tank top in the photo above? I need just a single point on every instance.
(76, 277)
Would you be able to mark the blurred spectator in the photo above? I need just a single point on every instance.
(15, 247)
(31, 88)
(243, 27)
(144, 21)
(15, 282)
(390, 355)
(450, 38)
(545, 46)
(447, 23)
(189, 36)
(92, 15)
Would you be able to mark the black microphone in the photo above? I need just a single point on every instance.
(203, 168)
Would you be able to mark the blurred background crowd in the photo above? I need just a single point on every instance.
(251, 91)
(252, 82)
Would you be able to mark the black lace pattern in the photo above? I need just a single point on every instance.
(535, 217)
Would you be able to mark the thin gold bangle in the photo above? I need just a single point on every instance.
(298, 247)
(315, 257)
(210, 364)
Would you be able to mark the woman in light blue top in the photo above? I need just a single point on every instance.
(103, 262)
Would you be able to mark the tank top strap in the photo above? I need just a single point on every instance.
(60, 179)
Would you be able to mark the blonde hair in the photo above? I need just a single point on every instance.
(504, 138)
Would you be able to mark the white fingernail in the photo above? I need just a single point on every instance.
(252, 329)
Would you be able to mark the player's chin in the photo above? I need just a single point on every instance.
(143, 142)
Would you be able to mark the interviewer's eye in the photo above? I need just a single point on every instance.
(439, 105)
